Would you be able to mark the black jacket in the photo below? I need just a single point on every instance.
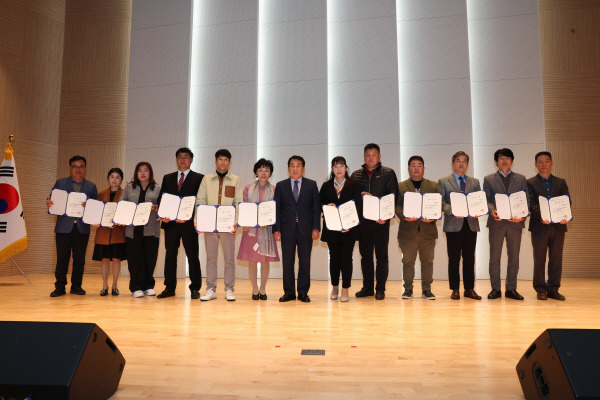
(327, 195)
(382, 182)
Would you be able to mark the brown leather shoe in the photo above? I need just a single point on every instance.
(471, 294)
(556, 296)
(455, 295)
(542, 296)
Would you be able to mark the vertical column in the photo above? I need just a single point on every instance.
(223, 84)
(292, 84)
(362, 80)
(506, 95)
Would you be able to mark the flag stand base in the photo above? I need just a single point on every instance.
(13, 260)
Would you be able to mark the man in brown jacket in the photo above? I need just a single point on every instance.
(416, 235)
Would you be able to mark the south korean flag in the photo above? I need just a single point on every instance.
(13, 234)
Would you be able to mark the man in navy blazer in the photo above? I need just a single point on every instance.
(298, 224)
(71, 233)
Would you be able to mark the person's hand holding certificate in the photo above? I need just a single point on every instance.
(513, 206)
(254, 215)
(473, 204)
(426, 206)
(556, 209)
(341, 218)
(378, 209)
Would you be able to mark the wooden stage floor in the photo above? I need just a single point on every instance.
(177, 348)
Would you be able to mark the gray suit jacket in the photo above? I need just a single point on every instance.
(449, 185)
(152, 228)
(493, 184)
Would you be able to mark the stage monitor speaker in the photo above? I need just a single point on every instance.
(562, 364)
(57, 360)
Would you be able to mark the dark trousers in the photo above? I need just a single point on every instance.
(289, 242)
(376, 237)
(142, 252)
(66, 243)
(174, 233)
(461, 243)
(340, 260)
(551, 241)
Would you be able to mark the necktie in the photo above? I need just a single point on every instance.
(463, 187)
(180, 184)
(295, 191)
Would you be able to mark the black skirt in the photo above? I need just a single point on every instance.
(111, 251)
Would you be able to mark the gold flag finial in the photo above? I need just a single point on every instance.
(8, 151)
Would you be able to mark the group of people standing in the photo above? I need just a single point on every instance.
(298, 223)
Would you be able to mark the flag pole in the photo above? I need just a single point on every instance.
(13, 260)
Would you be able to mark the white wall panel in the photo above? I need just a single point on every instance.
(506, 95)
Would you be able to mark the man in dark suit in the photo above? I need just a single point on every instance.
(461, 233)
(298, 224)
(544, 235)
(504, 181)
(184, 182)
(71, 233)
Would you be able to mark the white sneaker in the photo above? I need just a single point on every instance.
(210, 295)
(150, 292)
(229, 295)
(137, 293)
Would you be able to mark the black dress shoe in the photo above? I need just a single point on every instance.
(104, 292)
(263, 296)
(255, 296)
(455, 295)
(364, 292)
(77, 290)
(304, 298)
(58, 293)
(513, 294)
(166, 293)
(287, 297)
(494, 294)
(195, 294)
(380, 295)
(115, 292)
(472, 294)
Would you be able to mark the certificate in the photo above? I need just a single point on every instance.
(206, 217)
(59, 198)
(343, 217)
(473, 204)
(186, 208)
(422, 205)
(256, 214)
(92, 214)
(225, 219)
(555, 209)
(266, 213)
(378, 209)
(142, 214)
(477, 202)
(124, 212)
(511, 206)
(108, 214)
(74, 204)
(169, 206)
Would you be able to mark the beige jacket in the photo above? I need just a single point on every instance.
(229, 192)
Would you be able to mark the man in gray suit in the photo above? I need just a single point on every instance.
(461, 233)
(504, 181)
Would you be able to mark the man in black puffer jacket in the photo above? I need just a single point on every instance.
(376, 180)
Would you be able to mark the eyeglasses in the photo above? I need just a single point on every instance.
(78, 166)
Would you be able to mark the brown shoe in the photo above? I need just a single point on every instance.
(455, 295)
(542, 296)
(471, 294)
(556, 296)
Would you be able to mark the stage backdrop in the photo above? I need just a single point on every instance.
(318, 78)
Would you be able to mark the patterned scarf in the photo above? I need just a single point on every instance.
(264, 236)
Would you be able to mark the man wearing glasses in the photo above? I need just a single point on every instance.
(71, 233)
(183, 182)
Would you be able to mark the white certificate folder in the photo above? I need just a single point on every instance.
(255, 215)
(472, 204)
(512, 206)
(215, 218)
(175, 207)
(99, 213)
(342, 217)
(379, 208)
(66, 203)
(555, 209)
(422, 205)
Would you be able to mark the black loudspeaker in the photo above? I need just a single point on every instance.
(562, 364)
(57, 360)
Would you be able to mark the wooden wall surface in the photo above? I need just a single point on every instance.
(570, 35)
